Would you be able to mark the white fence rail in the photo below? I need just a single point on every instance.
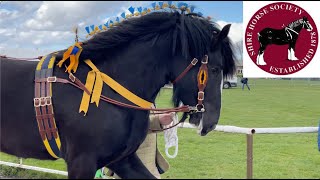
(222, 128)
(241, 130)
(33, 168)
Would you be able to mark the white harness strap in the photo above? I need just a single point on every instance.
(288, 33)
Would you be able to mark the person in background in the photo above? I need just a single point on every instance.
(244, 81)
(148, 151)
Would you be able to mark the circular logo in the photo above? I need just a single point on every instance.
(281, 38)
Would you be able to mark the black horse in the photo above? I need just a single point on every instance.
(287, 35)
(143, 54)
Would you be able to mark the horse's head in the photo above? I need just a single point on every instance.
(220, 62)
(306, 24)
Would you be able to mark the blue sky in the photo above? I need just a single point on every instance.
(223, 10)
(47, 25)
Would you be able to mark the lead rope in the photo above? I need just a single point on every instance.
(171, 137)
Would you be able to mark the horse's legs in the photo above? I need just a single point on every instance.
(292, 46)
(139, 166)
(131, 168)
(82, 167)
(289, 53)
(260, 58)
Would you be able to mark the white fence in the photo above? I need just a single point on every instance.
(249, 133)
(222, 128)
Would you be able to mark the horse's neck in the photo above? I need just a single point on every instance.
(293, 30)
(297, 28)
(142, 73)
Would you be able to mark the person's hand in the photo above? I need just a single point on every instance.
(166, 119)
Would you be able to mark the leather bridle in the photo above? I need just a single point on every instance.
(202, 79)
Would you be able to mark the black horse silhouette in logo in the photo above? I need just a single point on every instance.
(286, 35)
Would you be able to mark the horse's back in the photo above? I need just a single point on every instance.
(271, 31)
(18, 124)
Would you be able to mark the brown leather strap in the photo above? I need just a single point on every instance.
(39, 118)
(77, 83)
(193, 63)
(37, 105)
(202, 81)
(45, 118)
(50, 115)
(45, 96)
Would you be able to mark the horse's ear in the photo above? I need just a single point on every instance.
(224, 32)
(305, 18)
(221, 36)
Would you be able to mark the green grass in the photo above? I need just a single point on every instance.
(270, 103)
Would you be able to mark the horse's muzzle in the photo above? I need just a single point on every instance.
(204, 131)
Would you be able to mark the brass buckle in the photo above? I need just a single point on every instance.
(205, 59)
(43, 101)
(72, 77)
(200, 93)
(194, 61)
(48, 100)
(36, 102)
(52, 79)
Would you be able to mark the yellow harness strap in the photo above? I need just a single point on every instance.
(99, 78)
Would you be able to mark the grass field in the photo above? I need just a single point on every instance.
(270, 103)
